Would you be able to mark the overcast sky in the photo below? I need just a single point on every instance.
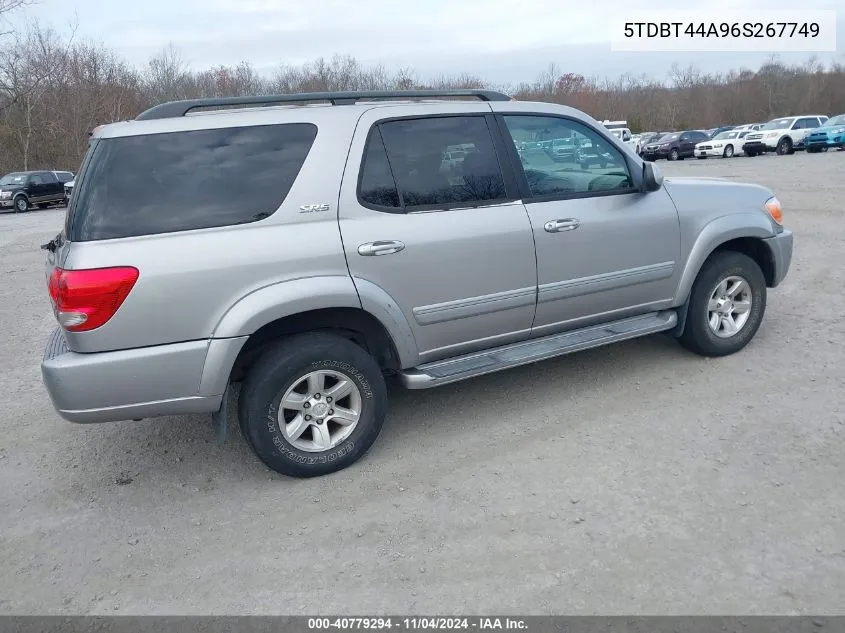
(504, 41)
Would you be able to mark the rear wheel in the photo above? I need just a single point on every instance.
(727, 303)
(313, 404)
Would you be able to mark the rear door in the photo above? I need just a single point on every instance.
(52, 187)
(446, 238)
(605, 250)
(36, 188)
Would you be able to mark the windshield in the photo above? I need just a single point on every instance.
(777, 124)
(669, 137)
(837, 120)
(13, 179)
(724, 135)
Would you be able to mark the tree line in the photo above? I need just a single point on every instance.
(54, 89)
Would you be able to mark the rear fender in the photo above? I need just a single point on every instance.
(277, 301)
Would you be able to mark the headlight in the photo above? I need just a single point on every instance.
(774, 209)
(665, 146)
(838, 130)
(718, 144)
(771, 134)
(5, 195)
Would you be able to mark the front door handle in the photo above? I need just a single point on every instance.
(385, 247)
(557, 226)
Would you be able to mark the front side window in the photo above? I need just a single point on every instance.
(178, 181)
(35, 179)
(580, 160)
(434, 162)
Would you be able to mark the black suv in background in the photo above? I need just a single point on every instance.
(674, 145)
(22, 189)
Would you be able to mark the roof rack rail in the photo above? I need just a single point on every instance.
(181, 108)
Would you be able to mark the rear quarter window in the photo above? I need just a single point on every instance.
(179, 181)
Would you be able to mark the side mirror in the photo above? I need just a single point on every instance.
(652, 178)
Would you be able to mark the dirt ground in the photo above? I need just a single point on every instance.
(633, 479)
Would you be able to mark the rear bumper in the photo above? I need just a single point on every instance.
(179, 378)
(780, 246)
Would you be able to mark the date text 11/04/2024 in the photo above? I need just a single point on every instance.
(722, 29)
(417, 623)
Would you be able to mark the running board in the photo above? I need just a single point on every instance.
(479, 363)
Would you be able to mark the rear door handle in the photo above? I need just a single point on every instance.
(384, 247)
(566, 224)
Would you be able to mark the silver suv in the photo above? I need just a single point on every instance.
(309, 247)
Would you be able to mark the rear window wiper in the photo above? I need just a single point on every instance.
(53, 244)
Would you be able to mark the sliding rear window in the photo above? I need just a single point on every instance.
(178, 181)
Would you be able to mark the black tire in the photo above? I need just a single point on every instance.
(698, 336)
(21, 204)
(278, 370)
(674, 155)
(729, 152)
(784, 146)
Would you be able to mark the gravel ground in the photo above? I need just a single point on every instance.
(634, 479)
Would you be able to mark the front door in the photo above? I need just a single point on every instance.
(604, 249)
(430, 217)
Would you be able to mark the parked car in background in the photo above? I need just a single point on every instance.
(831, 134)
(725, 145)
(783, 135)
(648, 137)
(674, 146)
(64, 177)
(749, 126)
(23, 189)
(714, 133)
(69, 189)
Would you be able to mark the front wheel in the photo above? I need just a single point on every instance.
(727, 303)
(729, 151)
(21, 204)
(784, 146)
(312, 404)
(674, 155)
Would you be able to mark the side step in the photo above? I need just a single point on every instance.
(479, 363)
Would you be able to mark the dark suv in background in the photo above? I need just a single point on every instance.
(22, 189)
(674, 145)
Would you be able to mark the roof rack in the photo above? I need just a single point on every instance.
(181, 108)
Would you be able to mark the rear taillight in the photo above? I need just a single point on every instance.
(86, 299)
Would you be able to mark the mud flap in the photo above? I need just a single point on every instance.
(220, 418)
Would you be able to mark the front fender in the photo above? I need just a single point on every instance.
(714, 234)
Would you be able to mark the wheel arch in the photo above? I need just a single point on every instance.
(728, 233)
(359, 311)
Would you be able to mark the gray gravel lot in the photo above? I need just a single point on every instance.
(632, 479)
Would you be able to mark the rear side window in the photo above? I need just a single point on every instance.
(178, 181)
(433, 163)
(378, 187)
